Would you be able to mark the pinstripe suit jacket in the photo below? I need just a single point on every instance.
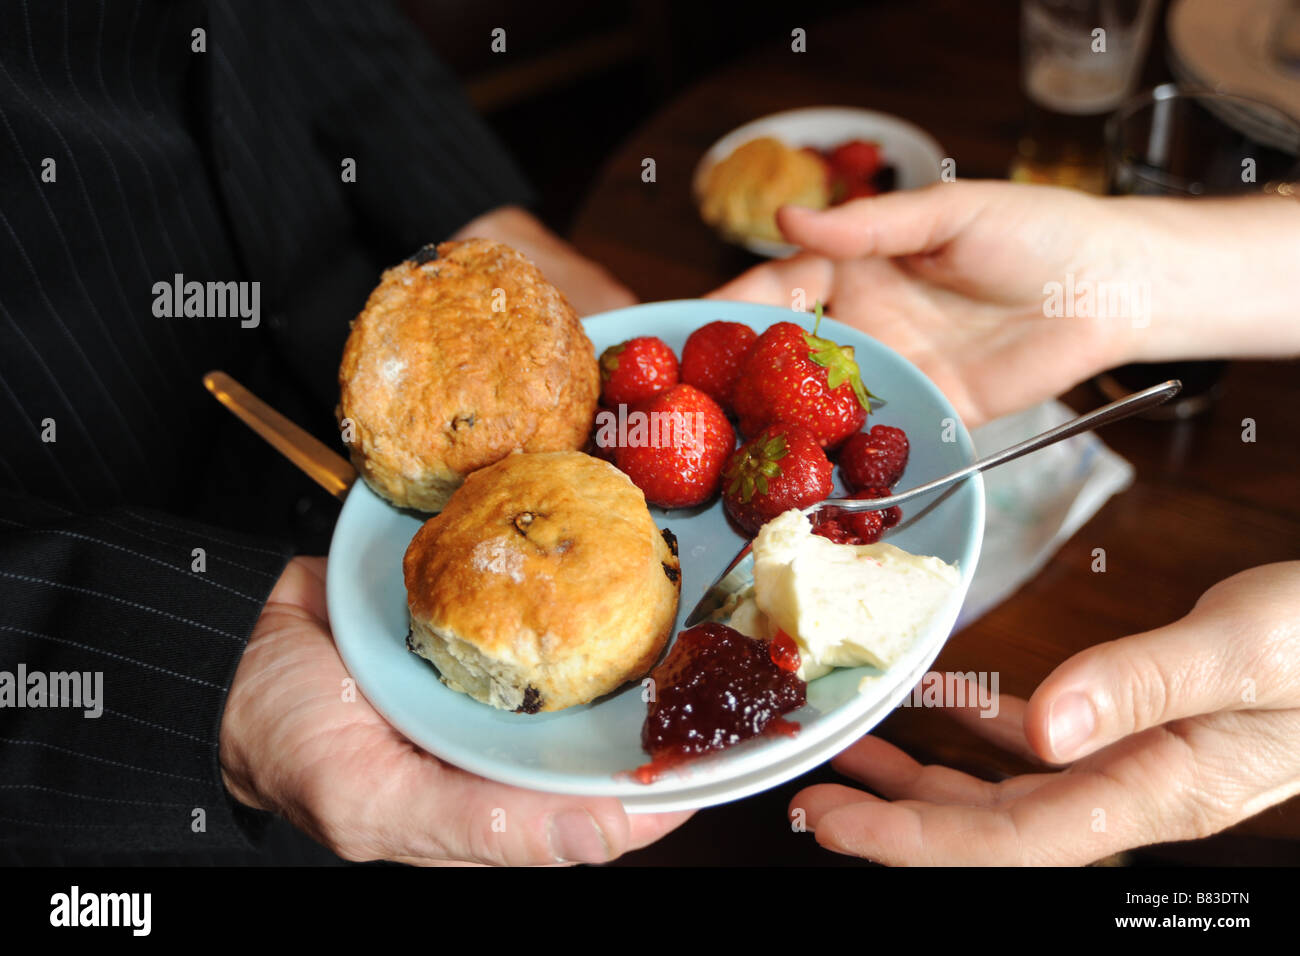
(141, 140)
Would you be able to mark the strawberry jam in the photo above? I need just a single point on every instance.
(784, 652)
(716, 688)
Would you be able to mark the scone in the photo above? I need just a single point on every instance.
(741, 194)
(543, 584)
(462, 355)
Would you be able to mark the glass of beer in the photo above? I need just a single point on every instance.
(1080, 59)
(1177, 141)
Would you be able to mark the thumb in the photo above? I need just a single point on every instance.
(902, 223)
(1119, 688)
(1236, 650)
(460, 816)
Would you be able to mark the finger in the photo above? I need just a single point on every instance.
(428, 812)
(809, 805)
(646, 828)
(487, 822)
(900, 223)
(774, 283)
(1070, 819)
(302, 584)
(1001, 722)
(1224, 655)
(893, 774)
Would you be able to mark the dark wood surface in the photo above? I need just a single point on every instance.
(1204, 505)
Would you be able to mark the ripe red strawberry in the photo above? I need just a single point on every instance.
(874, 459)
(676, 452)
(855, 160)
(780, 468)
(635, 370)
(713, 356)
(794, 376)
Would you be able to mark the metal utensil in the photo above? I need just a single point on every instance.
(320, 463)
(737, 574)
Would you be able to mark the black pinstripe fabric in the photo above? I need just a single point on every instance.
(222, 165)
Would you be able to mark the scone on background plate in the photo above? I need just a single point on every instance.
(462, 355)
(741, 194)
(544, 583)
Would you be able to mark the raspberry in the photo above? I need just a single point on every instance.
(831, 529)
(891, 515)
(849, 527)
(874, 459)
(866, 526)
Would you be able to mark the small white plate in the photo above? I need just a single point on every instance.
(589, 749)
(916, 157)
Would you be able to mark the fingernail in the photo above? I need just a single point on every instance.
(576, 838)
(1070, 722)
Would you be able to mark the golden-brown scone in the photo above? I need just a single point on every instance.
(543, 584)
(741, 194)
(461, 356)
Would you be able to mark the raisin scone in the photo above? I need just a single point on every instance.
(741, 194)
(544, 583)
(463, 354)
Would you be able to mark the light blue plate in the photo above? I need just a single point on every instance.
(586, 750)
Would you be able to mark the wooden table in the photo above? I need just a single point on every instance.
(1204, 505)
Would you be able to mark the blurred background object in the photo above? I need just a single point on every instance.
(1247, 47)
(1175, 141)
(578, 76)
(1079, 59)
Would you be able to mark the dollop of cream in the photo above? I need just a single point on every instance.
(844, 605)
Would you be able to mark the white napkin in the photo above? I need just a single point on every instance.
(1034, 504)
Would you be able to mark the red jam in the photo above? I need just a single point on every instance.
(785, 652)
(716, 688)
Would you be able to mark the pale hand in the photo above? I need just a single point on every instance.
(1173, 734)
(296, 742)
(956, 277)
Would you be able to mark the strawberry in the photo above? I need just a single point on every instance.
(856, 160)
(636, 369)
(676, 444)
(794, 376)
(874, 459)
(713, 356)
(780, 468)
